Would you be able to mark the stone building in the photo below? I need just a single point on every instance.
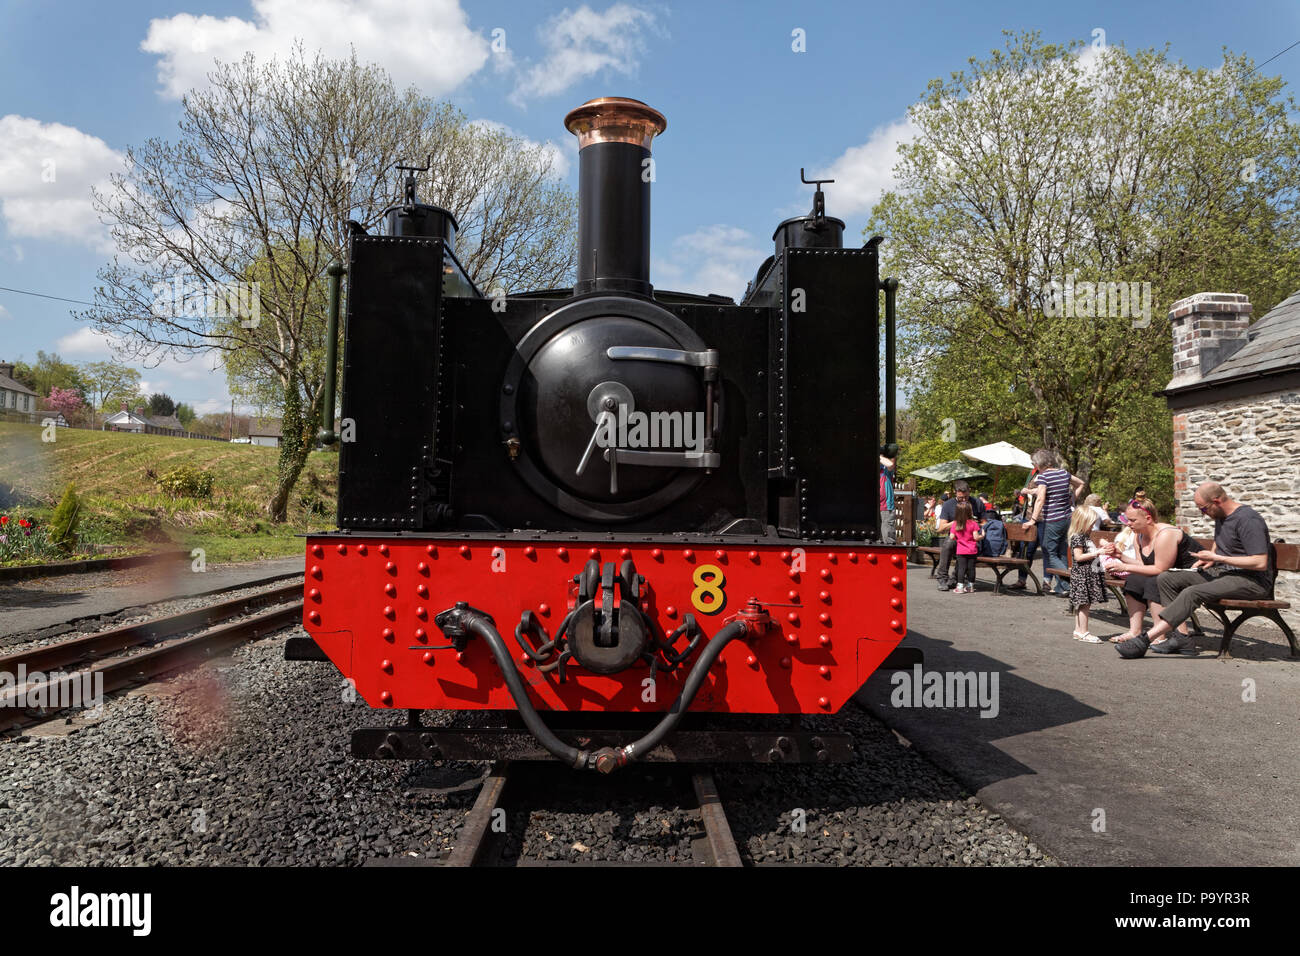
(1235, 399)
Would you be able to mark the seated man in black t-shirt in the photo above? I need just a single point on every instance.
(1236, 567)
(947, 515)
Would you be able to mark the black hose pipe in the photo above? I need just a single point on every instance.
(462, 620)
(611, 758)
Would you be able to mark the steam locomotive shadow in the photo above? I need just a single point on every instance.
(1023, 707)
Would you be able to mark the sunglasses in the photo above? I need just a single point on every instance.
(1143, 506)
(1205, 509)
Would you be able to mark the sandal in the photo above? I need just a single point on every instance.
(1090, 638)
(1121, 638)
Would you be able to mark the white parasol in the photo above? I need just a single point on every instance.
(999, 454)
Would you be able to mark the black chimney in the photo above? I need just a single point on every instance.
(614, 175)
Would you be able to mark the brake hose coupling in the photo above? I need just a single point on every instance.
(609, 759)
(755, 618)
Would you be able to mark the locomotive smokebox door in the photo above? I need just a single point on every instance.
(613, 404)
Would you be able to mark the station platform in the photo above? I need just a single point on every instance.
(1164, 760)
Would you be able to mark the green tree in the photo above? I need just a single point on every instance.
(1037, 166)
(108, 384)
(49, 372)
(161, 404)
(228, 230)
(185, 414)
(63, 524)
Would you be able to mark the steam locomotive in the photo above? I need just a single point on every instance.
(609, 512)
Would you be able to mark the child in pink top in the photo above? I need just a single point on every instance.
(966, 534)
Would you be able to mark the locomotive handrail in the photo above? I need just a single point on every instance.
(705, 359)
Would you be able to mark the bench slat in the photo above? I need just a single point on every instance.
(1247, 605)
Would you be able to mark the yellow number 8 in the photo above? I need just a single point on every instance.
(708, 596)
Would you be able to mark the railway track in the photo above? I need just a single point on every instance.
(484, 832)
(56, 673)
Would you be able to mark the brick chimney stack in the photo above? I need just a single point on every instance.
(1208, 328)
(7, 369)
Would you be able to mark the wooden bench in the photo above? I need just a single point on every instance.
(1281, 557)
(1002, 566)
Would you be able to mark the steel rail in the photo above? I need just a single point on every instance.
(63, 653)
(151, 663)
(475, 836)
(723, 850)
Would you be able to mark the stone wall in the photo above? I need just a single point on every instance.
(1251, 446)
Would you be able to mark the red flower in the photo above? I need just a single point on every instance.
(4, 519)
(24, 523)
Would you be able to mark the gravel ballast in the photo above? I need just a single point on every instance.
(244, 761)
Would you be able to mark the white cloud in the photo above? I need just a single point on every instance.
(46, 173)
(207, 406)
(85, 343)
(427, 43)
(4, 314)
(581, 43)
(715, 259)
(178, 377)
(863, 173)
(560, 156)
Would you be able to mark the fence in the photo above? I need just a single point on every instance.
(37, 417)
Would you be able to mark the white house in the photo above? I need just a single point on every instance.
(126, 421)
(16, 399)
(265, 432)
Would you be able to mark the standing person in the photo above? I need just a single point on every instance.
(1087, 580)
(888, 465)
(966, 536)
(1159, 548)
(1053, 507)
(947, 515)
(1236, 567)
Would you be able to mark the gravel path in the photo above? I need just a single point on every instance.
(52, 606)
(244, 761)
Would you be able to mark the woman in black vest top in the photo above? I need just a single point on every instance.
(1160, 547)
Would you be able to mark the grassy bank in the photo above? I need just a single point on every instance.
(123, 506)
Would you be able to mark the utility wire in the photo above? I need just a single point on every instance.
(42, 295)
(1273, 57)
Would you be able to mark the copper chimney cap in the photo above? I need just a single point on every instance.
(615, 119)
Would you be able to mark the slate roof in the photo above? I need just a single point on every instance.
(9, 384)
(170, 422)
(265, 429)
(1273, 346)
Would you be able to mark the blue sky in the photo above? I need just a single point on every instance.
(81, 81)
